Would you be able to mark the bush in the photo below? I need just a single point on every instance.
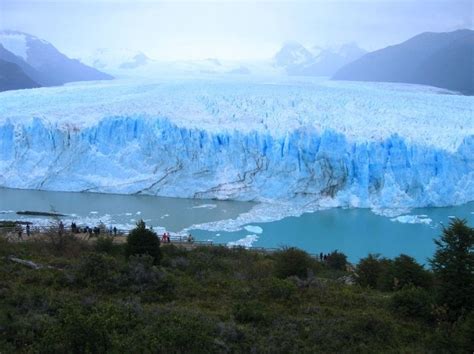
(143, 241)
(95, 269)
(292, 261)
(413, 302)
(249, 312)
(337, 261)
(406, 271)
(104, 244)
(78, 330)
(370, 269)
(279, 288)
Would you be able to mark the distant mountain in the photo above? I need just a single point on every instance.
(44, 62)
(12, 58)
(444, 60)
(292, 54)
(297, 60)
(116, 59)
(138, 60)
(12, 77)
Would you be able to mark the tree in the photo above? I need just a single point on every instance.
(374, 272)
(292, 261)
(407, 271)
(453, 266)
(337, 260)
(143, 241)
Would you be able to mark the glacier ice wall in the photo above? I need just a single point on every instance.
(127, 154)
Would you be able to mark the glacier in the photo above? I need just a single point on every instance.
(302, 141)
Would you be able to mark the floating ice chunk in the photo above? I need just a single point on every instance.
(205, 206)
(94, 212)
(412, 219)
(6, 211)
(246, 242)
(128, 214)
(253, 229)
(138, 212)
(218, 234)
(390, 213)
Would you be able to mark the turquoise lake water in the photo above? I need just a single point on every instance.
(356, 232)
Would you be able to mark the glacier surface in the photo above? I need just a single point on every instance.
(310, 142)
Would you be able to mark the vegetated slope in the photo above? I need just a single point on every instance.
(50, 65)
(83, 296)
(12, 77)
(443, 60)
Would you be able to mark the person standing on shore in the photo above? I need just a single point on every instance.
(28, 232)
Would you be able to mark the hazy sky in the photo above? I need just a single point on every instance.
(228, 29)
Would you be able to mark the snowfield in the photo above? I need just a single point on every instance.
(310, 141)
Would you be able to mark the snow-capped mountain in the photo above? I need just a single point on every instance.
(292, 54)
(295, 59)
(27, 69)
(115, 59)
(51, 67)
(326, 143)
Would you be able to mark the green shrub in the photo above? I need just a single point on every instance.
(374, 272)
(78, 330)
(337, 260)
(96, 270)
(279, 288)
(104, 244)
(143, 241)
(249, 312)
(412, 302)
(406, 271)
(463, 334)
(292, 261)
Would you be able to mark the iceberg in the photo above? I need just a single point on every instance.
(307, 142)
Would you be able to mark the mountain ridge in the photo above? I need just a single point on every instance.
(442, 60)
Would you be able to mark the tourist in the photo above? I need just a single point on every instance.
(61, 228)
(190, 238)
(115, 231)
(321, 257)
(163, 238)
(28, 230)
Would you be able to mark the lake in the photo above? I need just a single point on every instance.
(356, 232)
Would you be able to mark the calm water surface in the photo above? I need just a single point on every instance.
(356, 232)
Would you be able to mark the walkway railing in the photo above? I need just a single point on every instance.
(174, 239)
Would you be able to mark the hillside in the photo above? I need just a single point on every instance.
(444, 60)
(12, 77)
(60, 293)
(43, 62)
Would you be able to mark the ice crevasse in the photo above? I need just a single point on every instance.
(359, 145)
